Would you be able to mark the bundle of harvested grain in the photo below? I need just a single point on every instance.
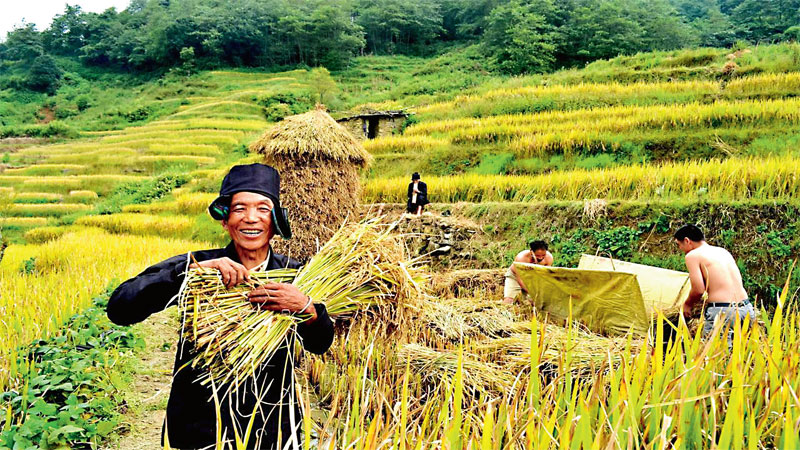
(459, 283)
(437, 366)
(587, 352)
(318, 160)
(363, 265)
(456, 319)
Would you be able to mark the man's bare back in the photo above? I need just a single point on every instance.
(716, 270)
(711, 269)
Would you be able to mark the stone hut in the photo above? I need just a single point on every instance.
(371, 124)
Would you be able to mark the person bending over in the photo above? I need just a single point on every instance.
(537, 254)
(712, 271)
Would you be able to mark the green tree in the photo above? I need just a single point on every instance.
(518, 38)
(404, 26)
(322, 83)
(334, 38)
(44, 74)
(765, 20)
(66, 33)
(466, 18)
(599, 29)
(22, 44)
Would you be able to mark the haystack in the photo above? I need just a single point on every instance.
(318, 160)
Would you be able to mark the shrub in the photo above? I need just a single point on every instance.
(44, 74)
(83, 103)
(277, 112)
(144, 191)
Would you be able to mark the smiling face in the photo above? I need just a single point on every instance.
(249, 222)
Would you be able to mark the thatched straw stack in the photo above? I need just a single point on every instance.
(318, 160)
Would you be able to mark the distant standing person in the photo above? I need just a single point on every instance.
(713, 270)
(417, 195)
(537, 254)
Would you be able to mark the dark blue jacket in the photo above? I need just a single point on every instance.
(191, 415)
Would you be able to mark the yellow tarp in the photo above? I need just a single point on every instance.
(607, 302)
(661, 288)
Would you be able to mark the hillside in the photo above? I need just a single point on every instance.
(608, 159)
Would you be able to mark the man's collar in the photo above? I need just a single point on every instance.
(230, 252)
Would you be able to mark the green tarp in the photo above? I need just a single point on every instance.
(605, 301)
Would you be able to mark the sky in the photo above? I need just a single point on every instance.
(41, 12)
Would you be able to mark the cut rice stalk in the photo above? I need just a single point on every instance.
(363, 265)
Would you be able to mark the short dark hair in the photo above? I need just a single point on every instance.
(538, 245)
(415, 176)
(693, 232)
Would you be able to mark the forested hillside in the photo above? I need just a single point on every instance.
(515, 36)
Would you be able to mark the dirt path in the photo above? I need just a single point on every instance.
(150, 388)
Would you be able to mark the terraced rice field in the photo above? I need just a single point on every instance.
(457, 373)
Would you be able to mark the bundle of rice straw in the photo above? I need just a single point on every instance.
(455, 319)
(362, 265)
(437, 366)
(588, 351)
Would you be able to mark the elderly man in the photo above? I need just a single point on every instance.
(249, 209)
(713, 270)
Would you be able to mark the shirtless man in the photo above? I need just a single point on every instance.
(537, 254)
(712, 270)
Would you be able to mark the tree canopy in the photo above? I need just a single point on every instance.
(516, 36)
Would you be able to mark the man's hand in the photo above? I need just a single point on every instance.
(232, 272)
(282, 297)
(687, 310)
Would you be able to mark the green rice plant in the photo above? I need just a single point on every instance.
(46, 209)
(137, 142)
(689, 392)
(60, 149)
(38, 197)
(187, 123)
(11, 181)
(733, 178)
(47, 169)
(534, 134)
(532, 99)
(44, 234)
(177, 159)
(184, 149)
(200, 114)
(194, 134)
(82, 196)
(101, 184)
(65, 275)
(388, 144)
(23, 221)
(139, 224)
(92, 157)
(221, 106)
(185, 203)
(776, 85)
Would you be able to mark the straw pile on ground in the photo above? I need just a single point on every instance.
(456, 319)
(318, 160)
(363, 265)
(486, 283)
